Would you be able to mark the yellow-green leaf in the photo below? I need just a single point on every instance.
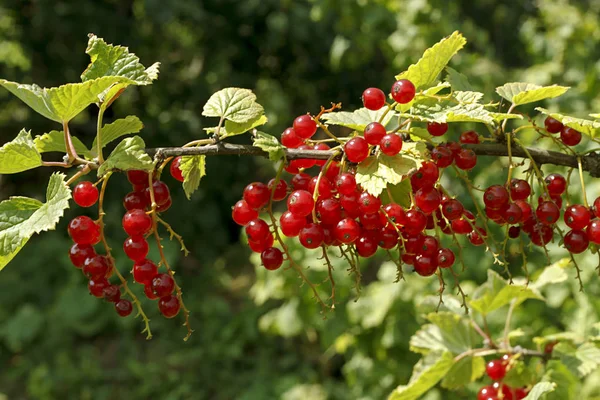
(55, 141)
(234, 104)
(357, 120)
(19, 154)
(193, 169)
(585, 126)
(520, 93)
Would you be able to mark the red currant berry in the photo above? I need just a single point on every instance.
(455, 147)
(403, 91)
(350, 204)
(442, 156)
(593, 231)
(519, 189)
(374, 132)
(162, 285)
(425, 177)
(332, 171)
(311, 236)
(371, 221)
(512, 214)
(520, 393)
(396, 213)
(445, 258)
(135, 200)
(96, 267)
(164, 207)
(169, 306)
(428, 200)
(388, 238)
(547, 212)
(300, 203)
(452, 209)
(425, 265)
(257, 230)
(577, 216)
(526, 211)
(556, 183)
(329, 211)
(391, 144)
(596, 208)
(553, 125)
(272, 258)
(541, 234)
(429, 246)
(144, 271)
(325, 187)
(135, 248)
(85, 194)
(369, 204)
(257, 195)
(137, 222)
(161, 193)
(357, 149)
(576, 241)
(514, 232)
(148, 292)
(570, 136)
(292, 167)
(366, 245)
(476, 236)
(496, 369)
(305, 126)
(416, 221)
(123, 307)
(346, 183)
(79, 253)
(373, 99)
(111, 293)
(437, 128)
(290, 224)
(96, 286)
(259, 247)
(83, 230)
(465, 159)
(347, 231)
(301, 181)
(280, 189)
(242, 213)
(469, 137)
(138, 177)
(175, 169)
(487, 393)
(496, 197)
(290, 140)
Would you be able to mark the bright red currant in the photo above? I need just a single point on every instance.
(144, 271)
(162, 285)
(290, 224)
(111, 293)
(437, 128)
(373, 99)
(79, 253)
(135, 200)
(428, 200)
(425, 265)
(290, 140)
(445, 258)
(96, 286)
(442, 156)
(85, 194)
(577, 216)
(369, 204)
(305, 126)
(356, 149)
(391, 144)
(175, 169)
(135, 248)
(257, 230)
(257, 195)
(556, 183)
(469, 137)
(169, 306)
(465, 159)
(300, 203)
(547, 212)
(576, 241)
(242, 213)
(346, 231)
(136, 222)
(123, 307)
(496, 369)
(553, 125)
(346, 183)
(374, 132)
(496, 197)
(311, 236)
(83, 230)
(280, 189)
(96, 267)
(519, 189)
(403, 91)
(272, 258)
(570, 136)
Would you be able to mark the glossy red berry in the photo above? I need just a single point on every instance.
(175, 169)
(350, 204)
(496, 197)
(346, 183)
(85, 194)
(301, 181)
(257, 230)
(403, 91)
(445, 258)
(570, 136)
(469, 137)
(347, 230)
(311, 236)
(242, 213)
(162, 285)
(96, 286)
(144, 271)
(512, 214)
(369, 204)
(576, 241)
(428, 200)
(305, 126)
(596, 208)
(333, 171)
(257, 195)
(547, 212)
(391, 144)
(280, 189)
(136, 248)
(169, 306)
(123, 307)
(520, 393)
(487, 393)
(260, 246)
(96, 267)
(476, 236)
(577, 216)
(496, 369)
(135, 200)
(329, 211)
(272, 258)
(465, 159)
(452, 209)
(429, 246)
(388, 238)
(300, 203)
(425, 265)
(442, 156)
(83, 230)
(556, 183)
(395, 213)
(526, 211)
(425, 177)
(290, 224)
(373, 99)
(138, 177)
(541, 234)
(356, 149)
(519, 189)
(416, 221)
(553, 125)
(437, 128)
(79, 253)
(148, 292)
(373, 133)
(290, 140)
(161, 193)
(137, 222)
(593, 231)
(111, 293)
(326, 188)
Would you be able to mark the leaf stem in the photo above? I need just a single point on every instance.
(99, 144)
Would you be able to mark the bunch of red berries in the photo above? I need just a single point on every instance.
(496, 370)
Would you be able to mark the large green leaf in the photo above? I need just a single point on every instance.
(565, 382)
(19, 154)
(434, 60)
(457, 80)
(270, 144)
(234, 128)
(61, 103)
(554, 273)
(449, 110)
(426, 374)
(55, 141)
(376, 172)
(129, 154)
(519, 375)
(233, 104)
(21, 217)
(121, 127)
(497, 292)
(193, 169)
(581, 360)
(447, 332)
(359, 119)
(539, 390)
(520, 93)
(465, 371)
(585, 126)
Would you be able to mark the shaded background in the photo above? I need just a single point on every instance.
(257, 336)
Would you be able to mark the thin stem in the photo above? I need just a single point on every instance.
(99, 144)
(71, 152)
(175, 235)
(511, 308)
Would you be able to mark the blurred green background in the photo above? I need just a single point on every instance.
(258, 335)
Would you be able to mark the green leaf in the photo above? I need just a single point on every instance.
(457, 80)
(585, 126)
(581, 360)
(520, 93)
(61, 103)
(193, 169)
(21, 217)
(497, 292)
(519, 375)
(539, 390)
(426, 374)
(447, 332)
(19, 155)
(554, 273)
(432, 110)
(595, 116)
(420, 134)
(55, 141)
(129, 154)
(499, 117)
(375, 173)
(270, 144)
(110, 60)
(434, 60)
(234, 128)
(465, 371)
(234, 104)
(121, 127)
(357, 120)
(468, 97)
(566, 383)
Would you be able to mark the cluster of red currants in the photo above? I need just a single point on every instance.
(496, 370)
